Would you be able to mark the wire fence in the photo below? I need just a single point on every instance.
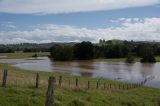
(37, 80)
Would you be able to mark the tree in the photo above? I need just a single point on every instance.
(147, 55)
(61, 53)
(84, 51)
(99, 51)
(35, 55)
(114, 51)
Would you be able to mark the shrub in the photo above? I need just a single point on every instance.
(130, 58)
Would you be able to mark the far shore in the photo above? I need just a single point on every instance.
(46, 54)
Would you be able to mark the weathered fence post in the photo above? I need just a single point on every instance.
(119, 86)
(76, 82)
(37, 80)
(123, 87)
(104, 85)
(69, 82)
(88, 84)
(130, 86)
(60, 81)
(5, 73)
(50, 92)
(127, 86)
(110, 86)
(97, 84)
(133, 85)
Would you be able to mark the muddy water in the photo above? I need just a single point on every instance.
(113, 70)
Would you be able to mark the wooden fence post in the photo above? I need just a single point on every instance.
(135, 85)
(5, 74)
(119, 86)
(104, 85)
(97, 84)
(127, 86)
(123, 87)
(37, 80)
(60, 81)
(76, 82)
(69, 82)
(88, 84)
(50, 92)
(110, 86)
(130, 86)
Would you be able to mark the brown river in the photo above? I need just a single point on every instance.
(120, 71)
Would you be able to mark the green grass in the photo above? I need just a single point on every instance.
(23, 55)
(158, 58)
(110, 60)
(23, 96)
(20, 91)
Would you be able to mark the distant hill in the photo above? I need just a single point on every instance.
(29, 47)
(117, 41)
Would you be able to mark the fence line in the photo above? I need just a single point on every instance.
(67, 82)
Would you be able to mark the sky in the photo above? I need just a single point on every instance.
(44, 21)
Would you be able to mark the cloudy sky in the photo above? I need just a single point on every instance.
(41, 21)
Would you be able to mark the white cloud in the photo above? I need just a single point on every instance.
(7, 25)
(67, 6)
(130, 29)
(127, 20)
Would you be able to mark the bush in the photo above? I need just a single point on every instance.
(35, 55)
(147, 59)
(130, 58)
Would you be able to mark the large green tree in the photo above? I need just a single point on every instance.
(84, 51)
(61, 53)
(147, 54)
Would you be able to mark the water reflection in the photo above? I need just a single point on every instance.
(133, 72)
(88, 66)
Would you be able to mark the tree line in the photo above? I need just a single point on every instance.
(106, 49)
(87, 50)
(28, 47)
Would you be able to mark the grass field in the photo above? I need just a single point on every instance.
(20, 91)
(23, 55)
